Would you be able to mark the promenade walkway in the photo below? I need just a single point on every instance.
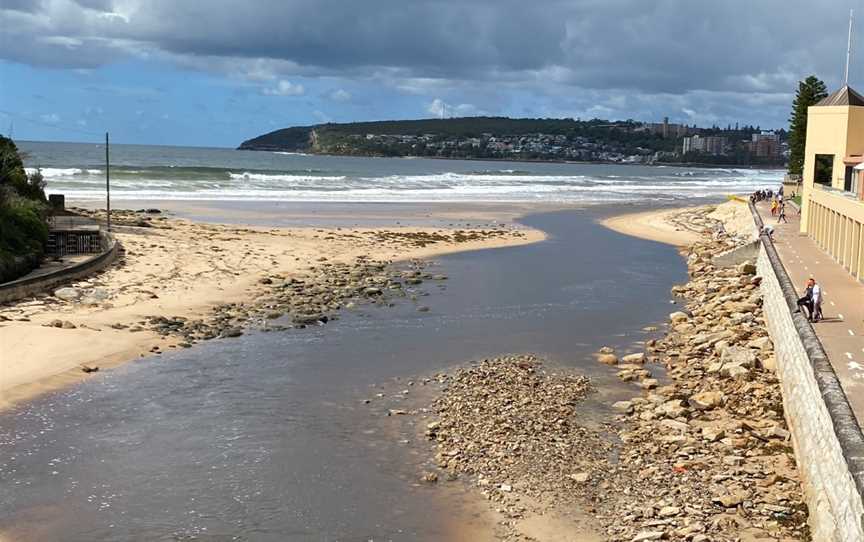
(842, 330)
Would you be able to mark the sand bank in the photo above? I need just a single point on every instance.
(175, 267)
(662, 225)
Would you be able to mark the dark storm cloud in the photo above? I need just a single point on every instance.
(658, 46)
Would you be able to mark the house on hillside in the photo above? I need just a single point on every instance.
(832, 212)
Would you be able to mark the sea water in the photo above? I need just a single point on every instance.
(144, 172)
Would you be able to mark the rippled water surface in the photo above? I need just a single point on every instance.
(266, 437)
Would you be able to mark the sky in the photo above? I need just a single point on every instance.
(216, 72)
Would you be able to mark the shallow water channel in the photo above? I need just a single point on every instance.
(266, 437)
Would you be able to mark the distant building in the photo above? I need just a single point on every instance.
(714, 145)
(765, 145)
(666, 129)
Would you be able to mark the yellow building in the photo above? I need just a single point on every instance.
(832, 212)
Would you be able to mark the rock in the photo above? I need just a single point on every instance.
(713, 433)
(232, 332)
(94, 296)
(669, 511)
(606, 350)
(429, 477)
(762, 343)
(778, 432)
(735, 371)
(68, 325)
(372, 291)
(736, 355)
(706, 400)
(675, 425)
(634, 358)
(67, 294)
(506, 488)
(644, 536)
(89, 369)
(731, 499)
(746, 268)
(608, 359)
(580, 477)
(769, 363)
(623, 406)
(678, 317)
(649, 384)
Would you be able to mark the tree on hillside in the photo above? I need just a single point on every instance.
(810, 91)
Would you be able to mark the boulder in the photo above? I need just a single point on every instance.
(746, 268)
(678, 317)
(67, 294)
(623, 406)
(762, 343)
(608, 359)
(735, 355)
(639, 357)
(706, 400)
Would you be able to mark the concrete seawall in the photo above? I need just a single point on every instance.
(828, 441)
(28, 286)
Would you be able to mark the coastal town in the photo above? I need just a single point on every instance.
(691, 144)
(561, 140)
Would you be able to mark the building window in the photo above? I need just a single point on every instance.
(823, 169)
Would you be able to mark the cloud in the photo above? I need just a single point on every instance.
(574, 57)
(284, 88)
(439, 108)
(50, 118)
(659, 46)
(339, 95)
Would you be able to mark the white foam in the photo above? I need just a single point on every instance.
(49, 172)
(504, 185)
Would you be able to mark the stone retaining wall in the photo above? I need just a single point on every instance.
(28, 286)
(828, 441)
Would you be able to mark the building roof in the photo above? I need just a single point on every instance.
(844, 96)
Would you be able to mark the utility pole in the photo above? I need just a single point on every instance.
(848, 50)
(107, 183)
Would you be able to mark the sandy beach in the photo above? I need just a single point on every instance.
(180, 268)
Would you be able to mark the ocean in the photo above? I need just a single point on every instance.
(145, 172)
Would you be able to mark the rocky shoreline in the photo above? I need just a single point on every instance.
(701, 454)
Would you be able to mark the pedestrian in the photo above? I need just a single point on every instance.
(806, 300)
(782, 213)
(774, 207)
(817, 301)
(769, 231)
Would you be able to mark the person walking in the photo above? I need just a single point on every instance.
(782, 213)
(774, 207)
(806, 300)
(817, 302)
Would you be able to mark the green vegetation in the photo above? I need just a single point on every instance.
(797, 199)
(810, 91)
(504, 138)
(469, 137)
(23, 231)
